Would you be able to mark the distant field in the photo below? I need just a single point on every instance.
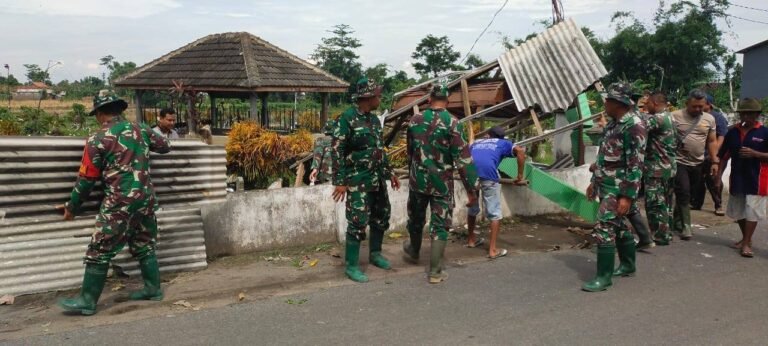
(57, 106)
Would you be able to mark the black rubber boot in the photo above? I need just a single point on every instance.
(412, 248)
(606, 258)
(626, 249)
(93, 283)
(150, 272)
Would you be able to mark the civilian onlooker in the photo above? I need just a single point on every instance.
(708, 180)
(696, 130)
(166, 122)
(746, 145)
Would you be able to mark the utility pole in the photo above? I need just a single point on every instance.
(557, 11)
(8, 83)
(56, 63)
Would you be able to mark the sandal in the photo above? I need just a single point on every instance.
(499, 253)
(478, 242)
(735, 246)
(747, 254)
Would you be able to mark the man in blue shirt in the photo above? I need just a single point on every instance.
(707, 182)
(487, 154)
(746, 145)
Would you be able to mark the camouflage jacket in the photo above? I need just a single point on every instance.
(357, 149)
(321, 158)
(620, 158)
(662, 146)
(118, 156)
(436, 147)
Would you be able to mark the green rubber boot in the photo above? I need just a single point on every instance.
(606, 257)
(627, 251)
(93, 283)
(352, 257)
(436, 275)
(685, 213)
(150, 272)
(376, 258)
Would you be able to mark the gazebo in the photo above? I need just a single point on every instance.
(235, 65)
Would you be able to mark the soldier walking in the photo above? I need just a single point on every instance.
(321, 156)
(118, 156)
(616, 181)
(436, 147)
(360, 171)
(660, 167)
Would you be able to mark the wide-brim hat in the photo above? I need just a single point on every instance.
(103, 100)
(749, 105)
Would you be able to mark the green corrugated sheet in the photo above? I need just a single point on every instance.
(554, 190)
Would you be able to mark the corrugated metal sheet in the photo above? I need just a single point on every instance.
(40, 252)
(551, 69)
(37, 173)
(48, 255)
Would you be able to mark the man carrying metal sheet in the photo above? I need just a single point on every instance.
(436, 147)
(360, 171)
(660, 167)
(118, 156)
(616, 182)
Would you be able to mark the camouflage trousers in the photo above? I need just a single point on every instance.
(610, 226)
(367, 208)
(658, 206)
(441, 216)
(115, 230)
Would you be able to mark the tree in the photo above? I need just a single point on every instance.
(116, 69)
(9, 80)
(473, 61)
(391, 83)
(36, 74)
(434, 55)
(337, 55)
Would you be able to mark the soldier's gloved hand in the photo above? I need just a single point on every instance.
(339, 193)
(395, 182)
(591, 192)
(313, 175)
(68, 216)
(623, 206)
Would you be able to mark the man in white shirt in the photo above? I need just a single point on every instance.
(165, 124)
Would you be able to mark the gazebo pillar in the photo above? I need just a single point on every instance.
(254, 101)
(324, 109)
(264, 110)
(139, 106)
(214, 123)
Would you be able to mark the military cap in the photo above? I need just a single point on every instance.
(621, 92)
(105, 98)
(366, 87)
(439, 90)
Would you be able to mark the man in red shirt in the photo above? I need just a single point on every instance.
(746, 146)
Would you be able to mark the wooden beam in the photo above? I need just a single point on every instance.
(214, 116)
(264, 110)
(299, 176)
(536, 123)
(324, 109)
(254, 102)
(467, 108)
(139, 106)
(488, 110)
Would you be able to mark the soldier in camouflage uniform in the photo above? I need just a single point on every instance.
(321, 156)
(360, 170)
(660, 167)
(436, 147)
(118, 156)
(616, 181)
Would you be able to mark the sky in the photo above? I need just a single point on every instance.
(78, 33)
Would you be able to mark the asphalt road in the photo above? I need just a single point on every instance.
(690, 293)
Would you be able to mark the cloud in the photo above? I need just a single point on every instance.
(90, 8)
(235, 15)
(92, 66)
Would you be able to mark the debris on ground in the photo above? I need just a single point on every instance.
(586, 244)
(183, 303)
(554, 248)
(706, 255)
(118, 286)
(698, 226)
(395, 235)
(296, 302)
(7, 299)
(278, 258)
(335, 253)
(586, 234)
(241, 296)
(313, 262)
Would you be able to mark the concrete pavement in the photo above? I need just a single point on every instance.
(697, 292)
